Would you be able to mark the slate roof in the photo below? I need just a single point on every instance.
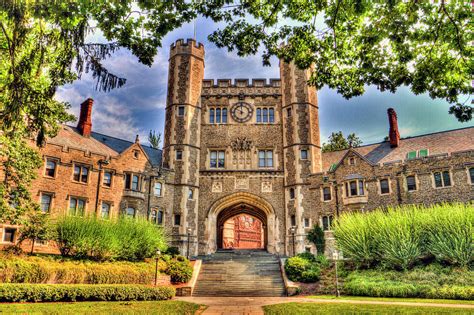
(70, 137)
(437, 143)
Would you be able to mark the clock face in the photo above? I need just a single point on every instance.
(241, 112)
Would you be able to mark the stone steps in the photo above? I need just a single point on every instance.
(240, 273)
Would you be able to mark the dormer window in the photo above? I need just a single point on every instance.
(352, 161)
(136, 154)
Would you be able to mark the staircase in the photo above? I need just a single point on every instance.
(240, 273)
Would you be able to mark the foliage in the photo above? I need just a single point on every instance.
(36, 227)
(336, 142)
(173, 251)
(299, 268)
(154, 139)
(123, 239)
(53, 270)
(316, 236)
(307, 256)
(82, 292)
(323, 261)
(180, 270)
(401, 237)
(425, 282)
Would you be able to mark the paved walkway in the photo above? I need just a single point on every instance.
(253, 305)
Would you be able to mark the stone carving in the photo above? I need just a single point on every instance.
(216, 187)
(267, 187)
(241, 183)
(241, 152)
(241, 144)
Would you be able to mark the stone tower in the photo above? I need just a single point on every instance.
(301, 145)
(181, 150)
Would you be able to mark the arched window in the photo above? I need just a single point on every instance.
(130, 212)
(211, 115)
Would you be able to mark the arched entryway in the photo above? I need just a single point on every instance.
(234, 205)
(241, 227)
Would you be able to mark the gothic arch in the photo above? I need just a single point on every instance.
(229, 203)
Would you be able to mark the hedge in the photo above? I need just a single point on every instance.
(48, 270)
(303, 268)
(72, 293)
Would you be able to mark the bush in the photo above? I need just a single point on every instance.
(323, 261)
(180, 271)
(72, 293)
(124, 239)
(316, 236)
(422, 282)
(400, 237)
(308, 256)
(301, 269)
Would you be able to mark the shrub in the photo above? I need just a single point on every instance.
(173, 251)
(295, 266)
(400, 237)
(316, 236)
(323, 261)
(180, 271)
(72, 293)
(308, 256)
(124, 239)
(311, 275)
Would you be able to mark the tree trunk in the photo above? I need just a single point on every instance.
(32, 246)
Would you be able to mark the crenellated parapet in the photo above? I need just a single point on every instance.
(236, 87)
(187, 47)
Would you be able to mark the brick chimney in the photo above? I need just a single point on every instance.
(393, 134)
(85, 119)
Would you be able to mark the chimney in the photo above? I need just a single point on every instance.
(85, 119)
(393, 134)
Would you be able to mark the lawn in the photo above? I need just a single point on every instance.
(383, 299)
(346, 308)
(160, 307)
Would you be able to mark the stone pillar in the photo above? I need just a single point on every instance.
(300, 132)
(181, 150)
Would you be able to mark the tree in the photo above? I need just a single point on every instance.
(351, 43)
(338, 142)
(316, 236)
(154, 139)
(36, 227)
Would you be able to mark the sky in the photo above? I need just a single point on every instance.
(139, 106)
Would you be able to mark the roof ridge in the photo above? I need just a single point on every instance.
(406, 138)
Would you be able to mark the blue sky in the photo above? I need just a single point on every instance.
(140, 105)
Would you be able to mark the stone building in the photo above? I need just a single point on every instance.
(242, 166)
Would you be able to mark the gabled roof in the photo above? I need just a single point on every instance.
(101, 144)
(437, 143)
(120, 146)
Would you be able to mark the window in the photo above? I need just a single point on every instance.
(471, 174)
(177, 219)
(352, 161)
(384, 187)
(293, 220)
(190, 194)
(442, 179)
(130, 212)
(81, 174)
(9, 235)
(217, 159)
(307, 249)
(326, 193)
(327, 222)
(306, 222)
(153, 216)
(355, 188)
(157, 189)
(107, 182)
(304, 154)
(417, 153)
(292, 193)
(179, 155)
(265, 158)
(180, 110)
(136, 154)
(288, 111)
(265, 115)
(77, 206)
(218, 115)
(411, 183)
(50, 168)
(159, 217)
(132, 182)
(45, 203)
(105, 211)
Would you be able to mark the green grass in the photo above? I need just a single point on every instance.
(346, 308)
(160, 307)
(409, 300)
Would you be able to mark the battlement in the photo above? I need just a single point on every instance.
(240, 83)
(188, 46)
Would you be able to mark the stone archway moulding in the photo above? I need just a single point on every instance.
(234, 199)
